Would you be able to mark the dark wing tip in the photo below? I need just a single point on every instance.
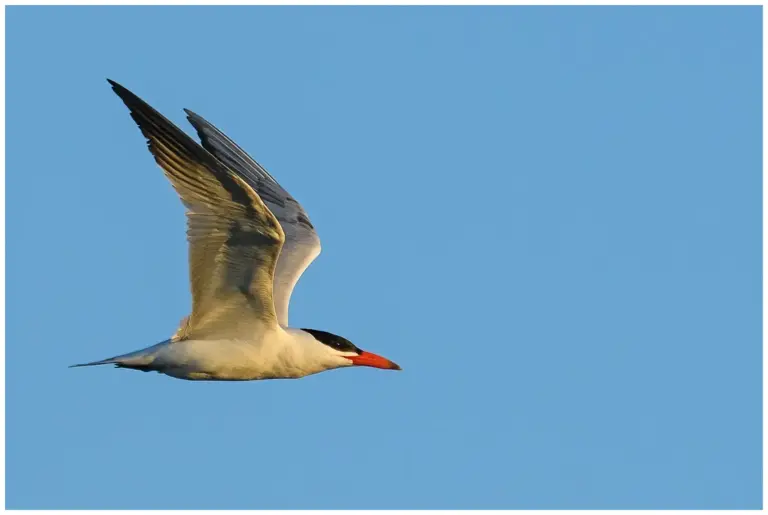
(156, 126)
(198, 122)
(121, 90)
(130, 99)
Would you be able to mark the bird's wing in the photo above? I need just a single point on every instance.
(234, 240)
(302, 245)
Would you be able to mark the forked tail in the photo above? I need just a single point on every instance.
(138, 360)
(93, 363)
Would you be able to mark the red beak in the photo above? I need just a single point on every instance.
(369, 359)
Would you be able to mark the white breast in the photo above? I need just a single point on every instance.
(278, 354)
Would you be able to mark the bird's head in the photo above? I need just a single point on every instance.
(342, 352)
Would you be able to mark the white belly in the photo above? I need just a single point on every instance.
(230, 360)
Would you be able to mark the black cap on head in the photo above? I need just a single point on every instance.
(333, 341)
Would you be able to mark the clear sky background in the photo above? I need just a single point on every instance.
(550, 217)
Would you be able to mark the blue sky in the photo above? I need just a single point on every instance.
(550, 217)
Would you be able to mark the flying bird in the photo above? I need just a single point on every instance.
(249, 242)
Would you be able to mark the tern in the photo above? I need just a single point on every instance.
(249, 242)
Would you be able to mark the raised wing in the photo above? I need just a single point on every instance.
(234, 239)
(302, 245)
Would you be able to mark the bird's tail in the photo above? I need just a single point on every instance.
(93, 363)
(139, 360)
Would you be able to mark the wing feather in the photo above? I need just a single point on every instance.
(302, 244)
(234, 239)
